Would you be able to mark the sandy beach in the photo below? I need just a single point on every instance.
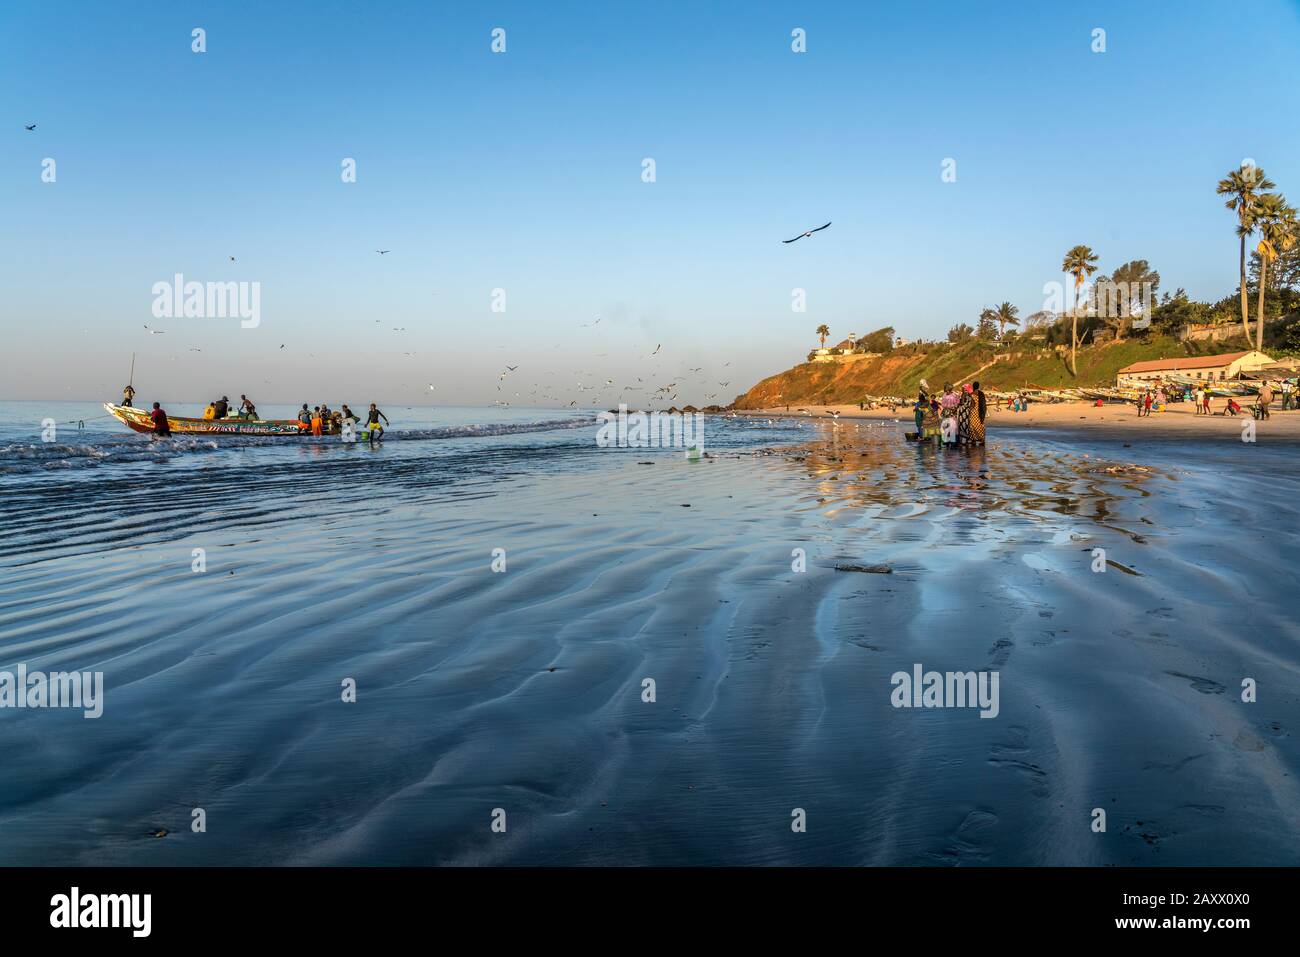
(1112, 420)
(524, 689)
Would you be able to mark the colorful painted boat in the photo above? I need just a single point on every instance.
(138, 420)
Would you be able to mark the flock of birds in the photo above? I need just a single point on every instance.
(601, 393)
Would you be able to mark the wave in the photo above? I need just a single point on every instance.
(24, 457)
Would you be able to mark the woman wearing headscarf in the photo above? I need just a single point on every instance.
(948, 413)
(921, 407)
(981, 412)
(965, 410)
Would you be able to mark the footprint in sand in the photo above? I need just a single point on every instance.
(1203, 685)
(1000, 652)
(972, 842)
(1004, 755)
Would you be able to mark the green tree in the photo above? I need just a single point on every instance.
(960, 333)
(882, 340)
(1078, 263)
(1243, 187)
(823, 331)
(1132, 284)
(1277, 227)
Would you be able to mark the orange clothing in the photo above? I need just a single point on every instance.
(315, 425)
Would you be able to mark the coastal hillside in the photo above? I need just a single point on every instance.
(997, 368)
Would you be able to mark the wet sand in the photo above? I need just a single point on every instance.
(523, 690)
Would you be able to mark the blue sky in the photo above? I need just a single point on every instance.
(522, 171)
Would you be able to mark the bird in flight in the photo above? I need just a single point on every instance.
(232, 258)
(30, 129)
(802, 235)
(656, 352)
(512, 368)
(385, 252)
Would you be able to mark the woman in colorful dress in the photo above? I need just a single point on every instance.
(948, 413)
(965, 412)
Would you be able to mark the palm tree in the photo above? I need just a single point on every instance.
(1277, 226)
(1078, 263)
(1243, 187)
(1005, 315)
(823, 330)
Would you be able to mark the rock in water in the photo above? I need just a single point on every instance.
(870, 569)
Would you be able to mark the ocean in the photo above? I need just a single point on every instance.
(488, 640)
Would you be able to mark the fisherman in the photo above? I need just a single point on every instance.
(222, 407)
(1265, 399)
(210, 412)
(372, 422)
(316, 421)
(127, 394)
(160, 426)
(304, 415)
(246, 408)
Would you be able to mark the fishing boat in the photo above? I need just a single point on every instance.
(138, 420)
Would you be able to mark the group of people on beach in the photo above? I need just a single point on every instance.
(953, 417)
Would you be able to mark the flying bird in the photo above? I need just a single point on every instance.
(385, 252)
(30, 129)
(802, 235)
(657, 348)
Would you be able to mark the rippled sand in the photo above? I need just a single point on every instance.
(522, 690)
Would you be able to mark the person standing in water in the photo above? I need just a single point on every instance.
(948, 413)
(921, 407)
(372, 422)
(979, 414)
(160, 426)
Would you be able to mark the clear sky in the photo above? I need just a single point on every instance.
(523, 171)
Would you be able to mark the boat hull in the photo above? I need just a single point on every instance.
(138, 420)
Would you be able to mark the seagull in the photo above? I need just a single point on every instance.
(30, 129)
(282, 345)
(385, 252)
(802, 235)
(657, 348)
(232, 258)
(512, 368)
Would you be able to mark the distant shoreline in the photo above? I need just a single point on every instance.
(1114, 420)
